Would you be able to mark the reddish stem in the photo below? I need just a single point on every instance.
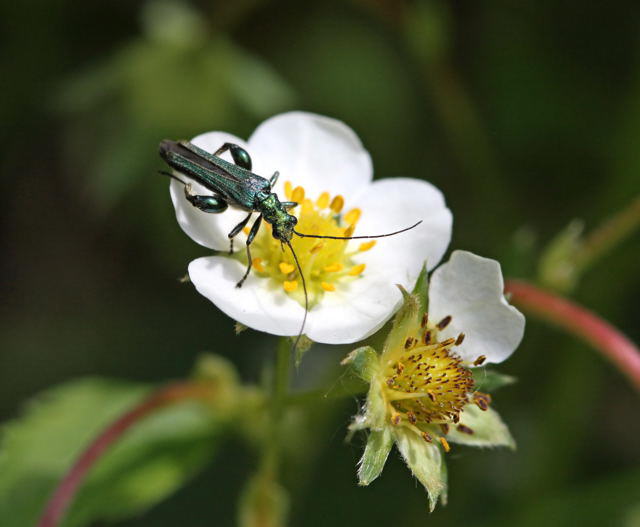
(581, 322)
(67, 488)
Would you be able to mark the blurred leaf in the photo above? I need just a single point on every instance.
(490, 380)
(558, 268)
(153, 459)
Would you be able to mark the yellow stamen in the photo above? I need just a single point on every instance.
(445, 444)
(333, 268)
(317, 247)
(307, 206)
(323, 200)
(366, 246)
(297, 195)
(337, 203)
(286, 268)
(352, 216)
(246, 230)
(257, 265)
(287, 189)
(327, 286)
(356, 270)
(349, 231)
(290, 286)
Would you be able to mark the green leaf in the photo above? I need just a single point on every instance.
(421, 290)
(425, 462)
(490, 380)
(485, 429)
(363, 361)
(151, 460)
(375, 455)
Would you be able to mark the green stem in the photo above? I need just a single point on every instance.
(609, 234)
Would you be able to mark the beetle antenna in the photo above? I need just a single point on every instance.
(165, 173)
(302, 235)
(306, 298)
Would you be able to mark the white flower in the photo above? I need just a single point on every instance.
(352, 290)
(423, 393)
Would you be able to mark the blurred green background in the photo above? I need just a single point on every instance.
(526, 114)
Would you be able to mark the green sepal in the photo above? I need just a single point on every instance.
(239, 327)
(421, 290)
(490, 380)
(404, 321)
(425, 461)
(558, 268)
(375, 455)
(363, 361)
(488, 429)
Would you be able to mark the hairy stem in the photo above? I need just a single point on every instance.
(563, 313)
(67, 488)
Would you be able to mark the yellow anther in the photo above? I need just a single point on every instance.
(288, 189)
(356, 270)
(286, 268)
(337, 203)
(445, 444)
(327, 286)
(352, 216)
(323, 200)
(366, 246)
(246, 230)
(333, 268)
(290, 286)
(297, 195)
(307, 207)
(257, 265)
(349, 231)
(317, 247)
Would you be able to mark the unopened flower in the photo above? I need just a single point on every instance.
(422, 394)
(351, 284)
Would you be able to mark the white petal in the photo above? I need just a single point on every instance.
(253, 304)
(353, 311)
(316, 152)
(470, 289)
(204, 228)
(392, 204)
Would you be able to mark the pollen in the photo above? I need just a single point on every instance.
(257, 265)
(327, 265)
(333, 268)
(366, 246)
(337, 203)
(286, 268)
(290, 286)
(426, 383)
(352, 216)
(297, 195)
(323, 200)
(357, 270)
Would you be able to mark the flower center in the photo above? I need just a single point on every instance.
(327, 264)
(426, 385)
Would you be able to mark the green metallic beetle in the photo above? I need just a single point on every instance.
(234, 184)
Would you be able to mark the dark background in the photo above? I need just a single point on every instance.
(526, 114)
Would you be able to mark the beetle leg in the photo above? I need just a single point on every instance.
(240, 156)
(211, 204)
(234, 232)
(289, 204)
(274, 178)
(254, 230)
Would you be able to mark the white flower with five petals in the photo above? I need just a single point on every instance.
(423, 391)
(352, 285)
